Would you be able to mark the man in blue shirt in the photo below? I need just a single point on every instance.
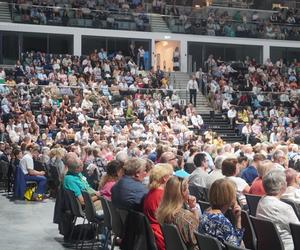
(129, 191)
(250, 172)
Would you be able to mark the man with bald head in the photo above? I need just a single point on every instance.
(170, 158)
(75, 181)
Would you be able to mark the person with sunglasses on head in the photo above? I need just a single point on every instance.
(222, 196)
(159, 175)
(129, 191)
(179, 208)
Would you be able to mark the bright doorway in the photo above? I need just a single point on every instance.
(164, 55)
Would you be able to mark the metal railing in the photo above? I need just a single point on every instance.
(135, 19)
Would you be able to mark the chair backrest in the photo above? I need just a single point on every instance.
(252, 201)
(207, 242)
(173, 240)
(295, 230)
(249, 234)
(266, 234)
(201, 193)
(294, 206)
(116, 221)
(203, 205)
(138, 233)
(76, 207)
(89, 208)
(106, 212)
(231, 247)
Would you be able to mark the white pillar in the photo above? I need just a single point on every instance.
(266, 52)
(183, 55)
(77, 44)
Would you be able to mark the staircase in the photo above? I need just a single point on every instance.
(217, 123)
(222, 127)
(158, 24)
(5, 15)
(179, 81)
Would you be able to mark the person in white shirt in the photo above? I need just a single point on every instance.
(231, 114)
(196, 120)
(27, 166)
(42, 119)
(199, 175)
(231, 170)
(216, 174)
(270, 207)
(141, 54)
(108, 128)
(86, 104)
(192, 87)
(247, 131)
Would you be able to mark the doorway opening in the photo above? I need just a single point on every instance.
(167, 55)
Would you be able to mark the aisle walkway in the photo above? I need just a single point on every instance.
(28, 225)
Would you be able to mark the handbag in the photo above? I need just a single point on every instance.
(29, 193)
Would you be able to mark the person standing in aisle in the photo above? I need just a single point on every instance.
(141, 53)
(192, 87)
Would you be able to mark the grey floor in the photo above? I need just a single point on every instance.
(28, 225)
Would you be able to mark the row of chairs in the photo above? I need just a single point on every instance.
(113, 221)
(173, 240)
(252, 201)
(261, 234)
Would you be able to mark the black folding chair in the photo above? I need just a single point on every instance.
(203, 205)
(295, 230)
(249, 238)
(107, 221)
(266, 234)
(231, 247)
(92, 217)
(116, 223)
(77, 212)
(207, 242)
(252, 201)
(201, 193)
(173, 240)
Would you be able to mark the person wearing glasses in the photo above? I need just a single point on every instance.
(179, 208)
(129, 191)
(171, 158)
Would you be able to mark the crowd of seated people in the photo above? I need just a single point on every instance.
(80, 117)
(101, 14)
(219, 22)
(261, 101)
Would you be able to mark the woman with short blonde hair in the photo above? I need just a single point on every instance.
(159, 175)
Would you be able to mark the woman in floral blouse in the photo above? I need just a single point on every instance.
(171, 210)
(222, 196)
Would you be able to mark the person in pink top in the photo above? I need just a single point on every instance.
(113, 173)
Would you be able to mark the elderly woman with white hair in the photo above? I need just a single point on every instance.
(271, 208)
